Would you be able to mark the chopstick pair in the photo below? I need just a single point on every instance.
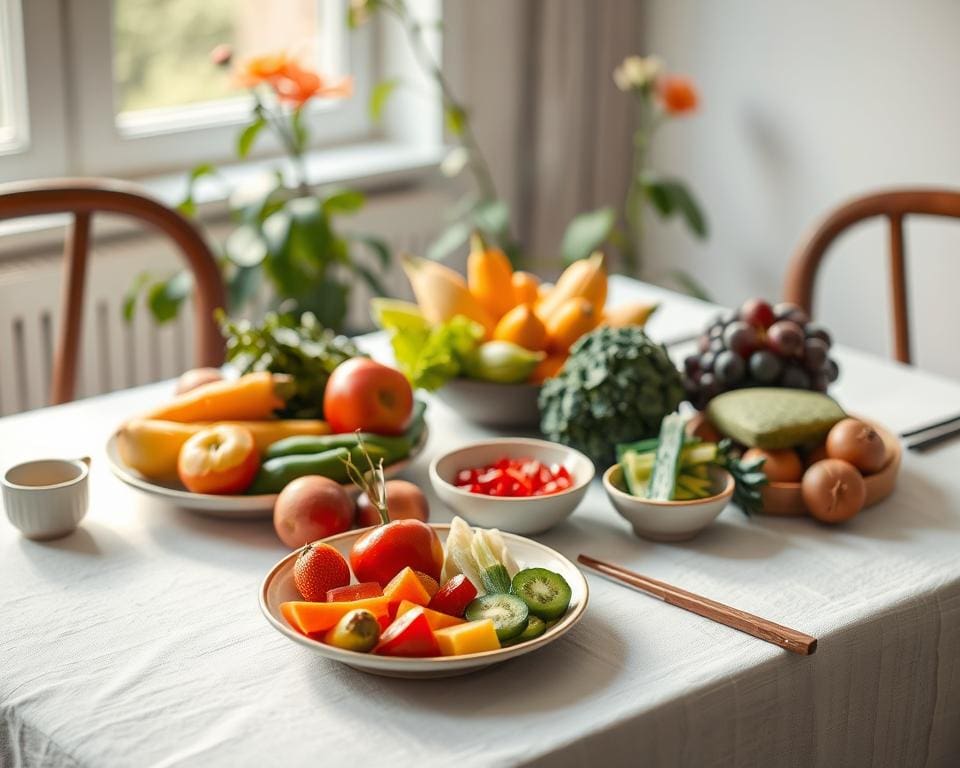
(764, 629)
(933, 434)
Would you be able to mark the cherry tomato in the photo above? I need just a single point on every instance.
(381, 553)
(366, 395)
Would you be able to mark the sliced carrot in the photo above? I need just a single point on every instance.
(310, 618)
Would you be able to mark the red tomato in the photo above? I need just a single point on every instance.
(409, 635)
(363, 394)
(454, 596)
(221, 459)
(381, 553)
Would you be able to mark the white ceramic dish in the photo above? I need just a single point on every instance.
(525, 515)
(230, 507)
(46, 499)
(668, 520)
(502, 406)
(278, 587)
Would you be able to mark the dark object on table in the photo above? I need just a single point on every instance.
(931, 435)
(615, 387)
(895, 206)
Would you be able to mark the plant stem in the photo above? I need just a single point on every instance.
(275, 120)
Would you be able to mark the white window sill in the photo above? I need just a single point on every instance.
(370, 166)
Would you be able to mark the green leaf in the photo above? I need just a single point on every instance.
(492, 216)
(344, 201)
(249, 135)
(431, 356)
(449, 240)
(371, 279)
(245, 246)
(587, 232)
(301, 136)
(242, 285)
(456, 119)
(670, 196)
(378, 246)
(188, 206)
(379, 96)
(165, 297)
(327, 299)
(133, 293)
(199, 171)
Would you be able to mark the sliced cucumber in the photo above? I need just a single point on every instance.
(650, 445)
(637, 467)
(634, 475)
(508, 612)
(666, 463)
(546, 594)
(535, 627)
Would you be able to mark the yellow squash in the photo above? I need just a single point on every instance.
(151, 446)
(442, 293)
(634, 313)
(490, 277)
(586, 279)
(569, 322)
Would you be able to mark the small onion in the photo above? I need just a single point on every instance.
(833, 490)
(858, 443)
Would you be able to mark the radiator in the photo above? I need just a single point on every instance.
(115, 354)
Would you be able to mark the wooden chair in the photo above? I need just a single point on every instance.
(83, 198)
(895, 205)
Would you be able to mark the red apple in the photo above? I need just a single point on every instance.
(369, 396)
(221, 459)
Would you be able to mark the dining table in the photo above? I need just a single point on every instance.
(138, 639)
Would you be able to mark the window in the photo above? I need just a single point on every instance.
(127, 87)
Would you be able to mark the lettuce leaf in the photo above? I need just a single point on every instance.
(431, 356)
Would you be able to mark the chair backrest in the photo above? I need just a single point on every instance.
(83, 198)
(895, 206)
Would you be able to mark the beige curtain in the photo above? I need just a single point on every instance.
(537, 74)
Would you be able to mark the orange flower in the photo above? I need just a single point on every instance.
(677, 94)
(291, 82)
(298, 85)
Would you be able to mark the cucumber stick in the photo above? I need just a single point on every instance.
(666, 462)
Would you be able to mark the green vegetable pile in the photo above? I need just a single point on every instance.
(302, 348)
(615, 387)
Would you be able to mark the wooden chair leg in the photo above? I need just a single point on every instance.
(898, 287)
(75, 255)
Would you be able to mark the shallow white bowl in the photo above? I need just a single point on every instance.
(278, 587)
(508, 406)
(232, 507)
(531, 514)
(668, 520)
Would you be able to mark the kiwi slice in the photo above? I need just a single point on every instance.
(535, 627)
(546, 593)
(509, 613)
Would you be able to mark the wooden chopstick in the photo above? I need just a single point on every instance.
(930, 427)
(787, 638)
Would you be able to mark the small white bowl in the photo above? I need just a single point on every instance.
(668, 520)
(46, 499)
(524, 515)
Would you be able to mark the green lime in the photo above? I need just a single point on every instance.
(397, 315)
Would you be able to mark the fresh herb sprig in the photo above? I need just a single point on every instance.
(748, 477)
(301, 347)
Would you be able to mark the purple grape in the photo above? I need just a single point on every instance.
(715, 332)
(703, 343)
(817, 331)
(717, 346)
(795, 377)
(741, 338)
(788, 311)
(818, 382)
(765, 367)
(832, 371)
(691, 364)
(709, 386)
(785, 337)
(729, 368)
(815, 354)
(706, 361)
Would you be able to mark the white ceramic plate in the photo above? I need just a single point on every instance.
(278, 587)
(231, 507)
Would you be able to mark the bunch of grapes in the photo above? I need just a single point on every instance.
(759, 346)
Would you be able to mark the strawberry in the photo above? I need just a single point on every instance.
(319, 567)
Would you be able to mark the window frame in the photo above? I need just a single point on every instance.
(72, 130)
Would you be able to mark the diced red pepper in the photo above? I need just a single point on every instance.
(454, 596)
(515, 478)
(409, 635)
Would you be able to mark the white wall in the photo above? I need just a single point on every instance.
(805, 104)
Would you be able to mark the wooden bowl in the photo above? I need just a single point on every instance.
(785, 499)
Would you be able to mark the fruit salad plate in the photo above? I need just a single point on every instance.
(279, 587)
(237, 507)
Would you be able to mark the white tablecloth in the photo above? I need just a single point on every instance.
(138, 640)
